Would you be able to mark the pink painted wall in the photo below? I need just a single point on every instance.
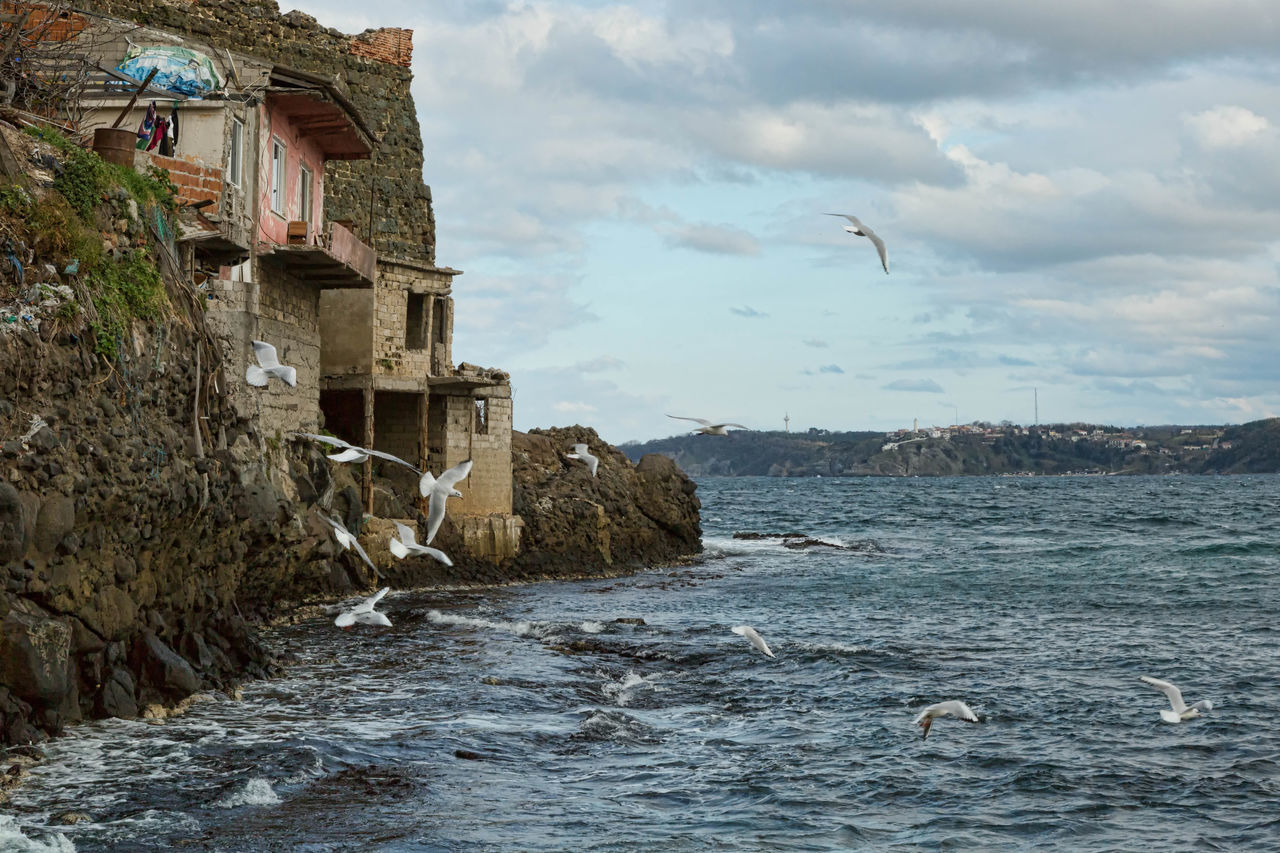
(299, 152)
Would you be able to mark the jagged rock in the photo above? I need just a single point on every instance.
(35, 655)
(13, 532)
(164, 668)
(117, 698)
(56, 519)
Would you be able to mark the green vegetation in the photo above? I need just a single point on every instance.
(122, 291)
(69, 224)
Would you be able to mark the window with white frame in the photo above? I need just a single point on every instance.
(235, 152)
(277, 176)
(305, 198)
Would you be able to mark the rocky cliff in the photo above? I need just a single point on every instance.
(136, 567)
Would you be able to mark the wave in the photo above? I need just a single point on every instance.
(623, 691)
(13, 839)
(521, 628)
(256, 792)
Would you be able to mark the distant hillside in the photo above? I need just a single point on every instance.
(977, 449)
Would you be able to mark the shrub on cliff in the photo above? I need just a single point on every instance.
(78, 222)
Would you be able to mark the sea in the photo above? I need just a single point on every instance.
(625, 715)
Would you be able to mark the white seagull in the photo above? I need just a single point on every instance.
(954, 708)
(408, 544)
(1179, 710)
(364, 612)
(581, 452)
(347, 541)
(352, 453)
(708, 428)
(753, 637)
(861, 230)
(268, 366)
(438, 490)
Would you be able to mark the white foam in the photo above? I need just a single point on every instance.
(591, 627)
(622, 692)
(521, 628)
(13, 839)
(256, 792)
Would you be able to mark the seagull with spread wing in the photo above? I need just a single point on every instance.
(954, 708)
(753, 637)
(408, 544)
(364, 613)
(860, 230)
(1178, 711)
(437, 490)
(708, 428)
(348, 541)
(348, 452)
(268, 366)
(581, 453)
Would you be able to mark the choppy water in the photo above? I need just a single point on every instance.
(528, 718)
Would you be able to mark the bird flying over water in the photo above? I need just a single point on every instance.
(352, 453)
(408, 544)
(1178, 710)
(708, 428)
(953, 708)
(753, 637)
(348, 541)
(438, 490)
(581, 452)
(364, 612)
(258, 375)
(857, 228)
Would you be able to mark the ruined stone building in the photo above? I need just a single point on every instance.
(308, 226)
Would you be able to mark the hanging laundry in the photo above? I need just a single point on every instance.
(148, 126)
(162, 125)
(173, 125)
(166, 139)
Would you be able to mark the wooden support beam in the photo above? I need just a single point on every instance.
(141, 87)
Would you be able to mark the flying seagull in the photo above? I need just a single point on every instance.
(954, 708)
(347, 541)
(708, 428)
(364, 612)
(1179, 710)
(268, 366)
(863, 231)
(437, 490)
(408, 544)
(753, 637)
(580, 451)
(348, 452)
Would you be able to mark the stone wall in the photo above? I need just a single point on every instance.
(488, 488)
(284, 312)
(373, 70)
(399, 281)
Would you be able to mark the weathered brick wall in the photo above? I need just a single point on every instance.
(194, 181)
(488, 489)
(392, 354)
(44, 23)
(287, 312)
(376, 80)
(390, 44)
(398, 419)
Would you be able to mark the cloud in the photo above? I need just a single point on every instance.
(830, 368)
(815, 343)
(569, 407)
(747, 311)
(714, 239)
(1012, 361)
(509, 315)
(924, 385)
(598, 364)
(1226, 126)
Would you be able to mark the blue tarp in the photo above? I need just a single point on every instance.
(178, 69)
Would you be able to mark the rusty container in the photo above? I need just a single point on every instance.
(115, 145)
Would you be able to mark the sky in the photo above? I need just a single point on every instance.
(1081, 203)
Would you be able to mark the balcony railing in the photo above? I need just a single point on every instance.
(332, 259)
